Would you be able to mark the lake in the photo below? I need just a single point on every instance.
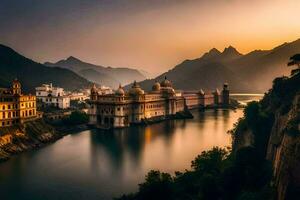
(97, 164)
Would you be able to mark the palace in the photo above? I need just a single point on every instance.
(16, 107)
(121, 109)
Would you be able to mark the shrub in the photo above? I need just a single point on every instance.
(76, 118)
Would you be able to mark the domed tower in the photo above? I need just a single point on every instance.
(136, 90)
(94, 92)
(166, 83)
(156, 87)
(16, 87)
(137, 94)
(120, 91)
(167, 88)
(225, 95)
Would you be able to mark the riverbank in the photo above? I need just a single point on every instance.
(32, 135)
(24, 137)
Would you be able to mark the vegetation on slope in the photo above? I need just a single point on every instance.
(214, 174)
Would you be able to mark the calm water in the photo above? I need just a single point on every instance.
(98, 164)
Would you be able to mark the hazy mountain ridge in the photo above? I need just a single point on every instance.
(252, 72)
(98, 77)
(109, 76)
(207, 72)
(31, 74)
(265, 65)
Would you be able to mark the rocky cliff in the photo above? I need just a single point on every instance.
(273, 127)
(24, 137)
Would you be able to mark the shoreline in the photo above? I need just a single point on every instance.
(27, 142)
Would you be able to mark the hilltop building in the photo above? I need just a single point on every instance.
(48, 95)
(121, 109)
(16, 107)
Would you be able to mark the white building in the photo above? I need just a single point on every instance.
(52, 96)
(78, 96)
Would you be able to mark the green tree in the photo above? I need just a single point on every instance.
(158, 186)
(210, 161)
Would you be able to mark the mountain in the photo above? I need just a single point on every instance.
(252, 72)
(260, 67)
(207, 72)
(109, 76)
(31, 74)
(147, 74)
(98, 77)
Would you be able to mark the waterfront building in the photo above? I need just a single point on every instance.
(16, 107)
(78, 96)
(121, 108)
(47, 95)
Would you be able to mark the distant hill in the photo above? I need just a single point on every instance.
(109, 76)
(98, 77)
(252, 72)
(31, 74)
(260, 67)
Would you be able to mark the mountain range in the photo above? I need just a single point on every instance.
(252, 72)
(32, 74)
(109, 76)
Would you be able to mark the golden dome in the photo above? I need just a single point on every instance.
(136, 89)
(120, 91)
(166, 83)
(168, 91)
(156, 86)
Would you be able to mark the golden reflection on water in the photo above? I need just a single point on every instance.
(205, 131)
(100, 164)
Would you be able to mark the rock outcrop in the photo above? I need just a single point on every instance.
(24, 137)
(282, 140)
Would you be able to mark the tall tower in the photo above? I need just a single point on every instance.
(94, 93)
(16, 87)
(225, 95)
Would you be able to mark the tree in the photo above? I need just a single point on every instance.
(76, 118)
(295, 60)
(210, 161)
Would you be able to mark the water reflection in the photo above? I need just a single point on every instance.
(101, 164)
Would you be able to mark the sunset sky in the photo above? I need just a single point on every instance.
(153, 35)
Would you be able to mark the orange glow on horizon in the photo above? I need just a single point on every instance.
(156, 38)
